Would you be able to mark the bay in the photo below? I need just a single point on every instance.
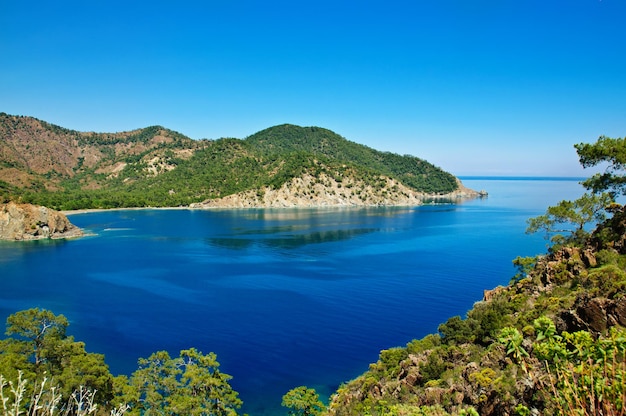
(284, 297)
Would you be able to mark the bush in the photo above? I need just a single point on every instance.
(457, 331)
(46, 399)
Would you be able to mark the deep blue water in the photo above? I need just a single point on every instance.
(285, 297)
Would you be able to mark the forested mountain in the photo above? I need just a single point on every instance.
(411, 171)
(49, 165)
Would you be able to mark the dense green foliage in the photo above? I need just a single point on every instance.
(303, 401)
(410, 170)
(6, 191)
(38, 347)
(39, 356)
(587, 376)
(157, 167)
(190, 384)
(609, 151)
(568, 222)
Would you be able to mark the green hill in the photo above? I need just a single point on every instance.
(44, 164)
(410, 170)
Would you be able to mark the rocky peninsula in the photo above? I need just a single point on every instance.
(325, 191)
(31, 222)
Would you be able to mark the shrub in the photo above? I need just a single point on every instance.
(46, 399)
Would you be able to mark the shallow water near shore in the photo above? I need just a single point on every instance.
(284, 297)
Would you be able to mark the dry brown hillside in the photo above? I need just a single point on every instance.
(36, 152)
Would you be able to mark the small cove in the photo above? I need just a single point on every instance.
(285, 297)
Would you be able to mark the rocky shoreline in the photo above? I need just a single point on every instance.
(19, 222)
(324, 191)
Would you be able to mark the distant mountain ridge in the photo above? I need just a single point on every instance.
(49, 165)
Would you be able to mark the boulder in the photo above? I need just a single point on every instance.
(31, 222)
(593, 312)
(617, 312)
(489, 295)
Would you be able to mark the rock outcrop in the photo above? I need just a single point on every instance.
(326, 191)
(30, 222)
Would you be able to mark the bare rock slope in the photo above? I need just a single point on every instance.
(323, 190)
(31, 222)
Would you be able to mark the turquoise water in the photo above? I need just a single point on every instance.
(285, 297)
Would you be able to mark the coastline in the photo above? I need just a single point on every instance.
(248, 200)
(339, 263)
(430, 201)
(90, 210)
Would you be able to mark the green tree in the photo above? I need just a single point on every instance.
(566, 222)
(39, 329)
(457, 330)
(74, 369)
(524, 266)
(39, 348)
(605, 150)
(303, 401)
(190, 384)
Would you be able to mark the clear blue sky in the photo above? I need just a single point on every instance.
(477, 87)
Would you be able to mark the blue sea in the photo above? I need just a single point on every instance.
(284, 297)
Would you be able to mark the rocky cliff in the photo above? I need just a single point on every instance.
(30, 222)
(326, 191)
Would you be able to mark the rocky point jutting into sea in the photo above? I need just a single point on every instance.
(325, 191)
(30, 222)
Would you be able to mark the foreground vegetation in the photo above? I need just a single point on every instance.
(552, 342)
(46, 370)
